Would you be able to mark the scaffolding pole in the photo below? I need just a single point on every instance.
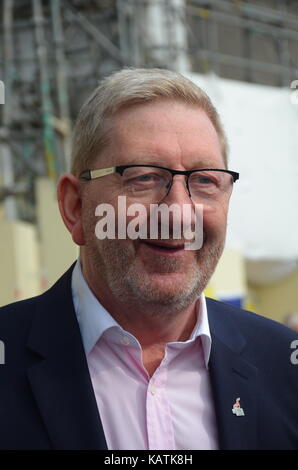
(94, 32)
(47, 111)
(7, 159)
(284, 52)
(63, 97)
(249, 22)
(166, 33)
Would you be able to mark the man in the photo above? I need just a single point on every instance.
(124, 351)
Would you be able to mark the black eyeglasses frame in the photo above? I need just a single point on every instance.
(93, 174)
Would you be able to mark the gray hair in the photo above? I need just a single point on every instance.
(127, 87)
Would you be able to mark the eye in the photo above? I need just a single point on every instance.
(143, 181)
(204, 180)
(147, 178)
(136, 175)
(144, 178)
(205, 183)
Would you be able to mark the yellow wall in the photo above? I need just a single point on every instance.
(57, 249)
(34, 257)
(19, 269)
(277, 299)
(229, 277)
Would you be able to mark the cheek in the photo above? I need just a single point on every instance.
(89, 219)
(91, 201)
(215, 220)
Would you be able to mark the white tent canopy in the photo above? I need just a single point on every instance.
(262, 127)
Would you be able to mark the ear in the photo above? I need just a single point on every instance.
(70, 204)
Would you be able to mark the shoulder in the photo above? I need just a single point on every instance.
(251, 323)
(268, 344)
(16, 318)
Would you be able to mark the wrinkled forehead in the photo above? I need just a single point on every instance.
(161, 131)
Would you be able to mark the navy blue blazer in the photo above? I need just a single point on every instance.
(46, 395)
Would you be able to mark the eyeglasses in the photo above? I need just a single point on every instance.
(152, 183)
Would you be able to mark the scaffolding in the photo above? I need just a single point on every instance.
(53, 52)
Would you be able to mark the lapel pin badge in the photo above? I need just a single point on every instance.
(237, 410)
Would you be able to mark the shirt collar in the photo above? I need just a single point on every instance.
(94, 319)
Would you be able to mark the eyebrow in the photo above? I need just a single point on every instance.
(206, 164)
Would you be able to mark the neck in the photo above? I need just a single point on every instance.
(153, 325)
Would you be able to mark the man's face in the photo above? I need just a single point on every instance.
(177, 136)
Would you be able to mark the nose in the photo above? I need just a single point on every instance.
(179, 195)
(178, 192)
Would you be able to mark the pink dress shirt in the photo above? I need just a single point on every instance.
(172, 410)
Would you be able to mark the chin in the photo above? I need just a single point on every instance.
(168, 288)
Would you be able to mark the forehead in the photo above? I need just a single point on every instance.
(164, 132)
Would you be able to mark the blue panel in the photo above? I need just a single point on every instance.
(236, 301)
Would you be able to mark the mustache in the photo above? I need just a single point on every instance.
(168, 240)
(164, 231)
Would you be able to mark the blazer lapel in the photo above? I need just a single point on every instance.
(59, 376)
(232, 377)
